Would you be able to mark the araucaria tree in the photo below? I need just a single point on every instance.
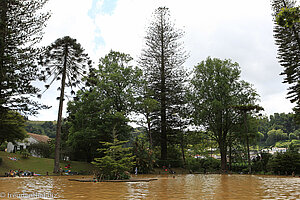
(21, 24)
(63, 60)
(162, 60)
(215, 91)
(287, 37)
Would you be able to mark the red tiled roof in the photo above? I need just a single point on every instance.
(39, 138)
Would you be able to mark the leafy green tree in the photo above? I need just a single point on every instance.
(275, 136)
(21, 27)
(147, 107)
(117, 161)
(283, 121)
(117, 81)
(41, 148)
(287, 17)
(144, 156)
(260, 163)
(21, 24)
(162, 60)
(288, 40)
(107, 103)
(248, 110)
(214, 91)
(287, 162)
(12, 127)
(63, 60)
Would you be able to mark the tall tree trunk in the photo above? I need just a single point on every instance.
(149, 131)
(59, 118)
(230, 152)
(248, 154)
(164, 148)
(182, 152)
(247, 142)
(223, 151)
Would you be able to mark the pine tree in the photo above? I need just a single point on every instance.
(21, 24)
(287, 37)
(162, 60)
(63, 60)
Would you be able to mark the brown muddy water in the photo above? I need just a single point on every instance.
(198, 186)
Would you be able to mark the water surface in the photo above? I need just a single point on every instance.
(198, 186)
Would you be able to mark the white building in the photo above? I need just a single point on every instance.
(274, 150)
(32, 138)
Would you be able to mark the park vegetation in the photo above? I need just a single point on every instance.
(186, 119)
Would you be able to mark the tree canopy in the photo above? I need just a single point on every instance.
(63, 60)
(215, 89)
(162, 61)
(21, 25)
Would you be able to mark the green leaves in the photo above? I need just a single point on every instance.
(116, 162)
(21, 25)
(288, 17)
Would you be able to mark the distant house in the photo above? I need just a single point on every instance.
(274, 150)
(32, 139)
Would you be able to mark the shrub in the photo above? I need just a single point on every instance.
(116, 163)
(42, 149)
(25, 153)
(203, 165)
(285, 163)
(0, 160)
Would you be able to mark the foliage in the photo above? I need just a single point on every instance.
(144, 156)
(42, 149)
(106, 104)
(116, 81)
(283, 121)
(215, 88)
(204, 165)
(41, 127)
(162, 60)
(25, 153)
(21, 24)
(63, 60)
(12, 127)
(287, 17)
(1, 160)
(275, 136)
(287, 143)
(116, 162)
(287, 162)
(260, 163)
(288, 40)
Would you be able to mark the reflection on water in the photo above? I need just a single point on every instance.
(245, 187)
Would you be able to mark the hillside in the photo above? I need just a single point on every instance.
(41, 127)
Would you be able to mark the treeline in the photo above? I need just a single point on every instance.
(278, 128)
(179, 109)
(41, 127)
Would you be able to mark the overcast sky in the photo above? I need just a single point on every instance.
(241, 30)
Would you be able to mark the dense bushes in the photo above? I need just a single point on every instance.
(285, 163)
(203, 165)
(41, 149)
(260, 163)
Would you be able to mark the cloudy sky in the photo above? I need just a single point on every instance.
(241, 30)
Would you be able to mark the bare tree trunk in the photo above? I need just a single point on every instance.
(247, 141)
(59, 118)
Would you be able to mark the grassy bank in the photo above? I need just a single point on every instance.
(39, 165)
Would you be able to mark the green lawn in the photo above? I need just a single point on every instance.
(39, 165)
